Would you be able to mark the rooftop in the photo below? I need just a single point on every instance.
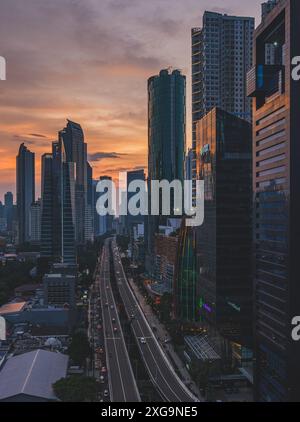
(11, 308)
(32, 374)
(201, 348)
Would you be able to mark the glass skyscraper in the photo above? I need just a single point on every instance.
(166, 134)
(224, 241)
(72, 137)
(25, 191)
(58, 207)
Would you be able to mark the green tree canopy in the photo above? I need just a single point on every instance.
(76, 389)
(79, 348)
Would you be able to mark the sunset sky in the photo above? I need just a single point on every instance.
(88, 61)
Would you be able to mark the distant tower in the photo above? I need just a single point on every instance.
(25, 191)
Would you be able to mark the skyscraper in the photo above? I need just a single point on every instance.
(58, 207)
(166, 134)
(103, 223)
(76, 152)
(35, 222)
(8, 210)
(221, 57)
(25, 191)
(276, 154)
(90, 206)
(224, 241)
(134, 175)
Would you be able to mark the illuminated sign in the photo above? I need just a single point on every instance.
(205, 306)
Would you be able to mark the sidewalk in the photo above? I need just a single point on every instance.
(161, 335)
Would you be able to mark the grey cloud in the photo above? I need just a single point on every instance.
(98, 156)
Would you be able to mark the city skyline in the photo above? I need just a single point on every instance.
(108, 94)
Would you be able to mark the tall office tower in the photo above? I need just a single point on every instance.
(8, 209)
(89, 214)
(25, 191)
(221, 57)
(58, 207)
(76, 152)
(35, 222)
(131, 220)
(103, 224)
(276, 154)
(166, 135)
(224, 241)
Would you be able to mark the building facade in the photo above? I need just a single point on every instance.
(224, 241)
(35, 222)
(58, 207)
(75, 148)
(221, 56)
(276, 154)
(166, 137)
(25, 191)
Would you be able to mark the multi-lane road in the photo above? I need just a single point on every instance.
(122, 384)
(162, 374)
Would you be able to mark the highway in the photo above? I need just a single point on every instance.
(162, 374)
(122, 384)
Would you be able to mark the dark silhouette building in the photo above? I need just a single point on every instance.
(25, 191)
(276, 175)
(224, 241)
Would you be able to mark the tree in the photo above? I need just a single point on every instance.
(76, 388)
(79, 348)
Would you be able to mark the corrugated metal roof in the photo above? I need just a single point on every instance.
(33, 374)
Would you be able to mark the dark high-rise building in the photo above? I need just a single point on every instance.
(35, 222)
(166, 135)
(8, 210)
(25, 191)
(8, 199)
(276, 175)
(166, 125)
(103, 224)
(76, 152)
(185, 280)
(58, 207)
(224, 241)
(221, 57)
(90, 206)
(134, 175)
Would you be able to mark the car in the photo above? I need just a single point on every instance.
(113, 320)
(111, 306)
(107, 286)
(103, 369)
(106, 305)
(143, 340)
(115, 329)
(106, 393)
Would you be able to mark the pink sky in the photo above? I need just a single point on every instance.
(89, 61)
